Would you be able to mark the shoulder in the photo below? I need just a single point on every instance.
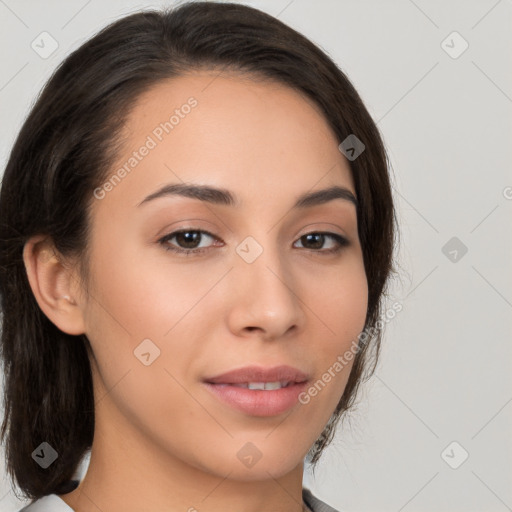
(50, 503)
(315, 504)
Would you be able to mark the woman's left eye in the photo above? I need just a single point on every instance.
(189, 241)
(319, 237)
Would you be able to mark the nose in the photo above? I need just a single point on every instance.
(264, 298)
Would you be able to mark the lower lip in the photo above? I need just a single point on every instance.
(258, 402)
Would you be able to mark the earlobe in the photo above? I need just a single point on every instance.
(53, 285)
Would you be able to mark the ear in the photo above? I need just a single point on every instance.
(55, 286)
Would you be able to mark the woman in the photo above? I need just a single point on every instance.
(197, 230)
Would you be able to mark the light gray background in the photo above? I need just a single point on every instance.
(444, 374)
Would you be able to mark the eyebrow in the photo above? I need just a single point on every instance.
(224, 197)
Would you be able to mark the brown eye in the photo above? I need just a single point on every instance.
(315, 241)
(187, 241)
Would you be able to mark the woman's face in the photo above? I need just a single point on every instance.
(260, 292)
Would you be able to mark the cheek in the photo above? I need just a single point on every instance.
(144, 297)
(340, 300)
(340, 307)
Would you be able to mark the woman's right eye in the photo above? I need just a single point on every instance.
(189, 238)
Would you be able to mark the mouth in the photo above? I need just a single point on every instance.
(257, 391)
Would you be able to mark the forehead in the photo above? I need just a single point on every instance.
(230, 130)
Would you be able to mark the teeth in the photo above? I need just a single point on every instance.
(263, 385)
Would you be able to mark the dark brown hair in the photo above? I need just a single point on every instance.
(66, 149)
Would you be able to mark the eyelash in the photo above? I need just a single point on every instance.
(341, 241)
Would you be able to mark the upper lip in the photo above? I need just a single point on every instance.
(259, 374)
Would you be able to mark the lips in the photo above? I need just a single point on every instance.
(284, 374)
(259, 391)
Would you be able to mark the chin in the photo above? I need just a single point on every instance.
(249, 464)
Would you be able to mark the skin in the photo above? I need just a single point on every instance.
(162, 441)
